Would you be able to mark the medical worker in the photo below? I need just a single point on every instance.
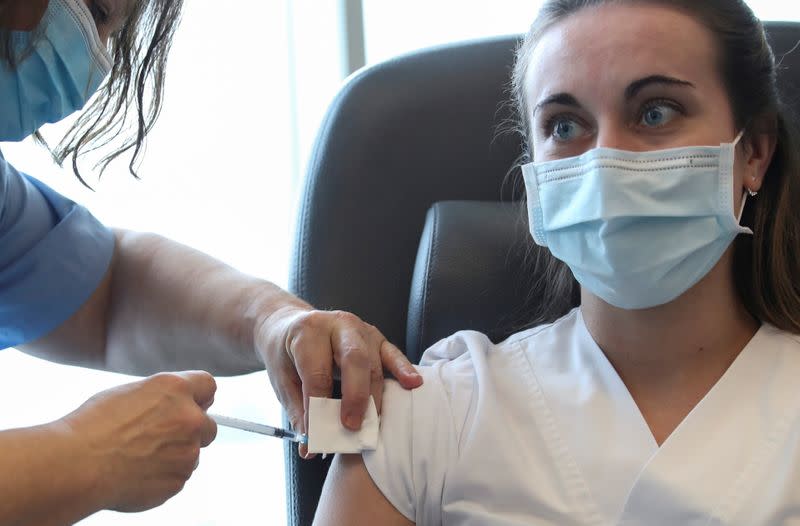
(74, 291)
(664, 175)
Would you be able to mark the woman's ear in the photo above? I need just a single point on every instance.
(759, 147)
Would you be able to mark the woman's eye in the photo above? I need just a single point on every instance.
(564, 129)
(99, 13)
(657, 115)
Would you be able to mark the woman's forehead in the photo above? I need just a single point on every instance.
(603, 49)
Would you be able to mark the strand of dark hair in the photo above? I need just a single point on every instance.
(134, 89)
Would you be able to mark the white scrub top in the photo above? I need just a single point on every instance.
(541, 430)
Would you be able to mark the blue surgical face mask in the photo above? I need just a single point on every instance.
(637, 229)
(55, 76)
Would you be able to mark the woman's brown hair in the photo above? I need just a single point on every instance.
(129, 102)
(767, 264)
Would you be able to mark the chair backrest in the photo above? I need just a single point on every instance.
(399, 137)
(471, 273)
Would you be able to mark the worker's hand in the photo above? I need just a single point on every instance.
(144, 438)
(302, 348)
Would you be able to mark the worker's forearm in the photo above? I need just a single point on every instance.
(44, 479)
(173, 307)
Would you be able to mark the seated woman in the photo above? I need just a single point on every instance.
(671, 395)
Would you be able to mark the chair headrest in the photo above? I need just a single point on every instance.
(470, 273)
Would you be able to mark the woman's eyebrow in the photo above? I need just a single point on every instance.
(638, 85)
(564, 99)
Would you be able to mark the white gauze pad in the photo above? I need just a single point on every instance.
(326, 434)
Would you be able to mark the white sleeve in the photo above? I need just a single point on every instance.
(416, 445)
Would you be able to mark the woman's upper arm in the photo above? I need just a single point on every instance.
(402, 481)
(350, 497)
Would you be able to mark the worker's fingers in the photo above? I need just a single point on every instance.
(395, 362)
(292, 402)
(353, 358)
(313, 358)
(208, 431)
(288, 388)
(201, 385)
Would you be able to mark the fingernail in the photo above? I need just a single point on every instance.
(352, 422)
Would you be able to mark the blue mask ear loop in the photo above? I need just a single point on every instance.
(744, 194)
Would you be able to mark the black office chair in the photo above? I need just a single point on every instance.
(400, 137)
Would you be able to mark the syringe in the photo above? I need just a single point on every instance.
(261, 429)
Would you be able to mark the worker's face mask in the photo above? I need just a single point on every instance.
(56, 75)
(637, 229)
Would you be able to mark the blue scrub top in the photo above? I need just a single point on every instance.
(53, 255)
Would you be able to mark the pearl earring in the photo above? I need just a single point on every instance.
(753, 193)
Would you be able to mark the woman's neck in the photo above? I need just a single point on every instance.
(670, 356)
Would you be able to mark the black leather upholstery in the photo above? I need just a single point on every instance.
(400, 137)
(469, 273)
